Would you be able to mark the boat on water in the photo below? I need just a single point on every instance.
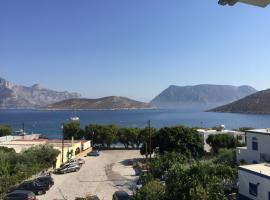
(74, 119)
(20, 132)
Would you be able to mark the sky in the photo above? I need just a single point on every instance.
(133, 48)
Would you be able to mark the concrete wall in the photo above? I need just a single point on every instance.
(263, 185)
(250, 155)
(86, 145)
(247, 155)
(13, 137)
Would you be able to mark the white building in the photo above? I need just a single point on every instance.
(257, 149)
(205, 133)
(254, 182)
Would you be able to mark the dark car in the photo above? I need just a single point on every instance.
(20, 195)
(121, 195)
(46, 180)
(93, 153)
(32, 186)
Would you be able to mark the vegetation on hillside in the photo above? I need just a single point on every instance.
(17, 167)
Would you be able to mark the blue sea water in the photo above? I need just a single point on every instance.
(49, 122)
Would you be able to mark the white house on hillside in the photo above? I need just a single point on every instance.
(257, 149)
(205, 133)
(254, 182)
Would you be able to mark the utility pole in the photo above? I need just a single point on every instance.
(63, 143)
(150, 139)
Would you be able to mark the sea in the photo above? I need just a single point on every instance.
(49, 123)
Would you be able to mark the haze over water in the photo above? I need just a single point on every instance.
(49, 122)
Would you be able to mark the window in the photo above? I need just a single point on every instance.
(255, 145)
(253, 189)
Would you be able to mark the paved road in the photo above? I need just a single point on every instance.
(101, 176)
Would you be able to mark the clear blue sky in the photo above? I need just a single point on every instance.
(133, 48)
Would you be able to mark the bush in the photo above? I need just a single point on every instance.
(180, 139)
(152, 190)
(221, 141)
(5, 130)
(17, 167)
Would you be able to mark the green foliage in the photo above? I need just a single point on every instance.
(226, 157)
(14, 167)
(6, 150)
(180, 139)
(73, 129)
(163, 163)
(220, 141)
(102, 134)
(5, 130)
(201, 180)
(244, 129)
(129, 136)
(152, 190)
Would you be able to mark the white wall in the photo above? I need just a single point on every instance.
(263, 188)
(250, 155)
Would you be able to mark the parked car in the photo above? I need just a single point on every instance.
(81, 161)
(46, 180)
(32, 186)
(69, 168)
(20, 195)
(121, 195)
(69, 163)
(93, 153)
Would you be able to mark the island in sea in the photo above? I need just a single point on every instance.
(105, 103)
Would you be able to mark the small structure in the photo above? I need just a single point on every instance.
(257, 149)
(205, 133)
(254, 182)
(71, 148)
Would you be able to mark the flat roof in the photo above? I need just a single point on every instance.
(265, 131)
(262, 169)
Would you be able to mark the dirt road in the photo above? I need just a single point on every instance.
(101, 176)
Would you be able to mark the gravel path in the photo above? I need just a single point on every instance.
(100, 176)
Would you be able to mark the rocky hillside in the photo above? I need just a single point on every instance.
(200, 97)
(22, 97)
(258, 103)
(106, 103)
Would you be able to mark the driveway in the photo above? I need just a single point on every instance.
(100, 176)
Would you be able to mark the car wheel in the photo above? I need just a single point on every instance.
(40, 192)
(77, 170)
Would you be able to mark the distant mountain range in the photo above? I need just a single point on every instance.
(258, 103)
(200, 97)
(22, 97)
(106, 103)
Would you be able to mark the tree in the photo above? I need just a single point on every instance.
(226, 157)
(152, 190)
(5, 130)
(180, 139)
(102, 134)
(17, 167)
(73, 129)
(220, 141)
(198, 181)
(129, 137)
(109, 133)
(161, 165)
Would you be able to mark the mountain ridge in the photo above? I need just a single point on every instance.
(203, 96)
(14, 96)
(257, 103)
